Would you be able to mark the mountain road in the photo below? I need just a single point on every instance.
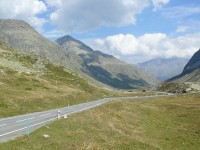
(13, 127)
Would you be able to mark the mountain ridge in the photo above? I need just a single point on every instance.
(99, 65)
(95, 66)
(164, 68)
(191, 71)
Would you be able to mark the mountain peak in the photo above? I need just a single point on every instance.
(15, 25)
(13, 21)
(64, 39)
(75, 55)
(106, 68)
(67, 40)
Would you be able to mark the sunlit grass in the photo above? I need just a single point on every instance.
(157, 123)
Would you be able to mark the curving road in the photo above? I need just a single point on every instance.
(20, 125)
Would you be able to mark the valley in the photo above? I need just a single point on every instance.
(163, 68)
(39, 76)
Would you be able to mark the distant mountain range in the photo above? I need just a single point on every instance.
(74, 55)
(191, 72)
(163, 68)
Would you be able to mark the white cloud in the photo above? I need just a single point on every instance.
(79, 15)
(37, 22)
(149, 45)
(159, 3)
(76, 15)
(181, 11)
(182, 28)
(24, 10)
(121, 44)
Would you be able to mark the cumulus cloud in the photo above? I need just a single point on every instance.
(149, 45)
(159, 3)
(76, 15)
(79, 15)
(23, 9)
(120, 44)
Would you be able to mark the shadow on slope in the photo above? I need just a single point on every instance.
(121, 80)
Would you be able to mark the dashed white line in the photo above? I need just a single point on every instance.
(26, 127)
(25, 119)
(44, 115)
(2, 125)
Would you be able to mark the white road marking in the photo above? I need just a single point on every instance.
(84, 108)
(24, 119)
(25, 127)
(2, 125)
(44, 115)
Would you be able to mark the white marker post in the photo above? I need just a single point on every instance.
(58, 115)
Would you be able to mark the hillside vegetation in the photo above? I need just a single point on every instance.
(29, 84)
(158, 123)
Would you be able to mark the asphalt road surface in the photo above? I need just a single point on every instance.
(13, 127)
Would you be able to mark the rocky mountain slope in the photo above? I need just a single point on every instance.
(28, 84)
(188, 80)
(164, 69)
(191, 72)
(106, 68)
(22, 37)
(75, 56)
(193, 64)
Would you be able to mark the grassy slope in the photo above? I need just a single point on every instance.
(157, 123)
(22, 93)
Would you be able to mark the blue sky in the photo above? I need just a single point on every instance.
(132, 30)
(148, 21)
